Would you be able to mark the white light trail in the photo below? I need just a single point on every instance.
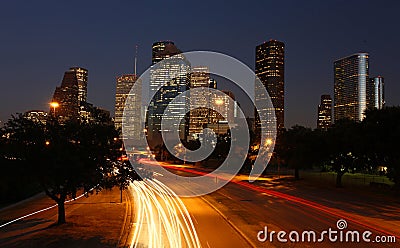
(42, 210)
(162, 219)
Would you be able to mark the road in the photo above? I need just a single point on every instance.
(233, 216)
(249, 209)
(162, 220)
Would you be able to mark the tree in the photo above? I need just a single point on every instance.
(64, 157)
(297, 148)
(343, 145)
(381, 133)
(123, 175)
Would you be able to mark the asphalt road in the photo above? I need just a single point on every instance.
(248, 211)
(212, 229)
(230, 217)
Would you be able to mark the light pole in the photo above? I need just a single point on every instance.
(184, 152)
(54, 105)
(218, 102)
(268, 143)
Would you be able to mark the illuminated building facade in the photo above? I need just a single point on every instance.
(66, 96)
(38, 116)
(172, 76)
(226, 106)
(325, 113)
(132, 121)
(162, 50)
(82, 77)
(351, 77)
(200, 114)
(376, 93)
(270, 69)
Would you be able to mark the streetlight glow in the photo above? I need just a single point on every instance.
(54, 105)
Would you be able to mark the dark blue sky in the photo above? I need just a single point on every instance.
(42, 39)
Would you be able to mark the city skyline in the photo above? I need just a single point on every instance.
(309, 60)
(199, 124)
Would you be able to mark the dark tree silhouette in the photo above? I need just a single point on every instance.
(297, 148)
(343, 139)
(64, 157)
(381, 134)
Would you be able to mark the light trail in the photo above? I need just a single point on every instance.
(162, 219)
(298, 200)
(42, 210)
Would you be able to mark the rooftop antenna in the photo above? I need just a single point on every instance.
(136, 57)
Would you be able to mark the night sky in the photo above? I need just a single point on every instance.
(42, 39)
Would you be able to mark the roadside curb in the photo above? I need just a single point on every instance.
(127, 224)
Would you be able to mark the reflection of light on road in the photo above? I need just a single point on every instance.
(299, 200)
(162, 219)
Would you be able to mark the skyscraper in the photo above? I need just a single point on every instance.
(325, 112)
(132, 122)
(82, 77)
(351, 76)
(270, 69)
(66, 96)
(162, 50)
(167, 80)
(225, 106)
(200, 114)
(224, 115)
(376, 93)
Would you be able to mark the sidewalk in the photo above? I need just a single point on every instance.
(96, 221)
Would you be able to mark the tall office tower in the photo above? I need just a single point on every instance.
(128, 99)
(270, 69)
(350, 86)
(82, 76)
(225, 106)
(200, 103)
(66, 96)
(376, 93)
(325, 113)
(162, 50)
(168, 79)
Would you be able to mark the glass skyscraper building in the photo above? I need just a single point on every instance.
(82, 77)
(270, 69)
(168, 79)
(66, 96)
(132, 121)
(376, 93)
(200, 102)
(325, 112)
(351, 77)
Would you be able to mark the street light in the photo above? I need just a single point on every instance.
(184, 154)
(268, 143)
(219, 102)
(54, 105)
